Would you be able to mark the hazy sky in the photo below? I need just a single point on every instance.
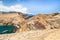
(31, 6)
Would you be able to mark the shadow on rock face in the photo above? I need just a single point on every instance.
(36, 25)
(39, 25)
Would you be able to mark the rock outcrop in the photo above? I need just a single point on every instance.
(38, 27)
(24, 23)
(10, 18)
(36, 22)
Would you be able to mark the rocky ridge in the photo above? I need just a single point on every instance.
(39, 27)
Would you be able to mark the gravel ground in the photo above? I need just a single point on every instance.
(29, 35)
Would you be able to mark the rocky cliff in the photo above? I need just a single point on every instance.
(41, 21)
(10, 18)
(38, 27)
(24, 23)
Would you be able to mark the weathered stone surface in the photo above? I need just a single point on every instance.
(39, 27)
(55, 35)
(40, 21)
(29, 35)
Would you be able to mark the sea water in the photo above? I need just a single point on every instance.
(7, 29)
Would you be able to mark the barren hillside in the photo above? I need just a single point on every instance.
(38, 27)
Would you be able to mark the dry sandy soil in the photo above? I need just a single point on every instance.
(33, 35)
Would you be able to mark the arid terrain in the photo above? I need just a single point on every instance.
(38, 27)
